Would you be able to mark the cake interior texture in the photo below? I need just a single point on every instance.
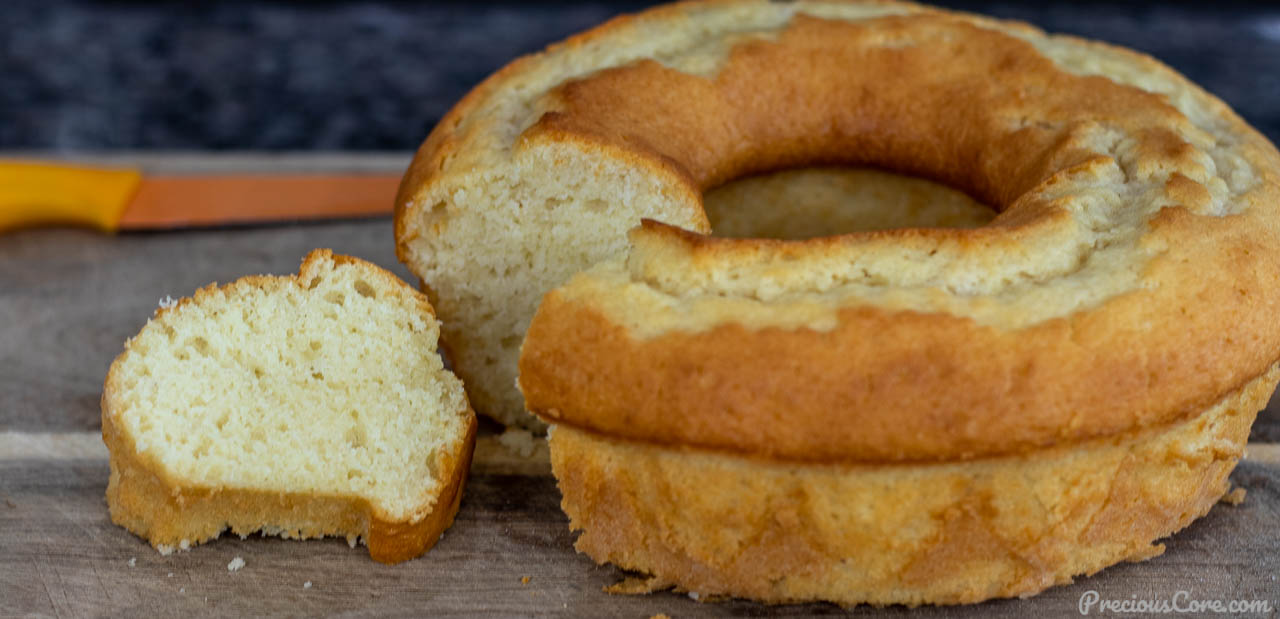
(326, 383)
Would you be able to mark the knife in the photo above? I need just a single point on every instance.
(111, 199)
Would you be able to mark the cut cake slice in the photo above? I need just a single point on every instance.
(302, 406)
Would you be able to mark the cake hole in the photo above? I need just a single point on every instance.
(364, 289)
(317, 375)
(315, 345)
(433, 219)
(335, 297)
(804, 203)
(315, 281)
(200, 345)
(258, 373)
(431, 464)
(203, 448)
(356, 437)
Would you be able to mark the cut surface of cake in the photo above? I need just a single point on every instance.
(303, 406)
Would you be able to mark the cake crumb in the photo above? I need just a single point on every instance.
(168, 302)
(632, 585)
(170, 575)
(306, 585)
(182, 589)
(1235, 497)
(517, 441)
(694, 595)
(133, 561)
(524, 580)
(235, 565)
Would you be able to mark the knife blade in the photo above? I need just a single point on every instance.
(112, 199)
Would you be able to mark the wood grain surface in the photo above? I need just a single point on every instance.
(68, 300)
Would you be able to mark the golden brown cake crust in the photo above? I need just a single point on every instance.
(171, 512)
(720, 524)
(904, 386)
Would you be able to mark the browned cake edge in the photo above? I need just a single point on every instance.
(173, 514)
(721, 524)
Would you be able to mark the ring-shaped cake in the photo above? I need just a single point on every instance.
(913, 415)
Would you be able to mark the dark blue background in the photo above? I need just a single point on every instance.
(81, 75)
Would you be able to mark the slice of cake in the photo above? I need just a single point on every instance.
(302, 406)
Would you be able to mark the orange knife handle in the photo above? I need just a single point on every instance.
(41, 194)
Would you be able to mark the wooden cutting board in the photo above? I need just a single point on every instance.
(68, 300)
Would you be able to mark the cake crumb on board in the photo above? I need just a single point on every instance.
(518, 441)
(235, 564)
(1235, 497)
